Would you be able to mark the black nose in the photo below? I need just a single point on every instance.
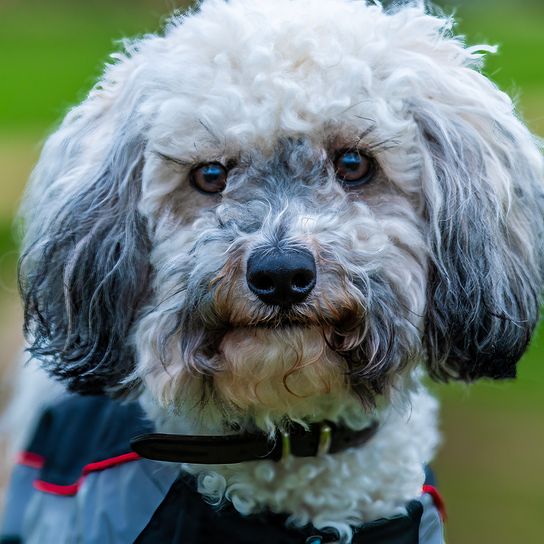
(281, 277)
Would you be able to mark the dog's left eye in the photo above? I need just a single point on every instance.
(353, 168)
(209, 178)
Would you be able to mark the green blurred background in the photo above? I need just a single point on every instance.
(490, 466)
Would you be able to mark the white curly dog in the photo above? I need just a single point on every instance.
(268, 223)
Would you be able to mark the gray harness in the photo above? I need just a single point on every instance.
(76, 486)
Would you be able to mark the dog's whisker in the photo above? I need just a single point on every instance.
(168, 298)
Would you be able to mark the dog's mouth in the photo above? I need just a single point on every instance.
(283, 318)
(338, 329)
(341, 316)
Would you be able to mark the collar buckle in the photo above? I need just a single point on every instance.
(323, 445)
(325, 439)
(285, 446)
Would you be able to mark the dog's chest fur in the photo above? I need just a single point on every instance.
(341, 490)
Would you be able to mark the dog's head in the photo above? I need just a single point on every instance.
(274, 202)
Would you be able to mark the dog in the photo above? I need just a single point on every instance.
(264, 227)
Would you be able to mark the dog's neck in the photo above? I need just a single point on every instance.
(341, 490)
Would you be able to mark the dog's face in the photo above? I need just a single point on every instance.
(281, 202)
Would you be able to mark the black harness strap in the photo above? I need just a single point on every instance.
(185, 518)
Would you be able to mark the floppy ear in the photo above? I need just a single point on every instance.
(84, 265)
(484, 192)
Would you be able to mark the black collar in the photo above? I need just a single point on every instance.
(318, 439)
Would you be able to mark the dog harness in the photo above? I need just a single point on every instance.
(79, 481)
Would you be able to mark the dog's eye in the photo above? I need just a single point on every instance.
(353, 168)
(209, 178)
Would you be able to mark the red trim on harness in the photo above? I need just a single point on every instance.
(437, 500)
(111, 462)
(72, 489)
(55, 489)
(30, 459)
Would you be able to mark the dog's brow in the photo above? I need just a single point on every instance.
(383, 145)
(369, 130)
(210, 131)
(168, 158)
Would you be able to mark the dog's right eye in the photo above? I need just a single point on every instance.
(209, 178)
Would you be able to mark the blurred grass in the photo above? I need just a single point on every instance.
(8, 256)
(518, 32)
(55, 50)
(490, 466)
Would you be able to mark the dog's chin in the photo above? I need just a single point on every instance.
(281, 371)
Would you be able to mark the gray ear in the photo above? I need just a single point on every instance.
(84, 265)
(485, 205)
